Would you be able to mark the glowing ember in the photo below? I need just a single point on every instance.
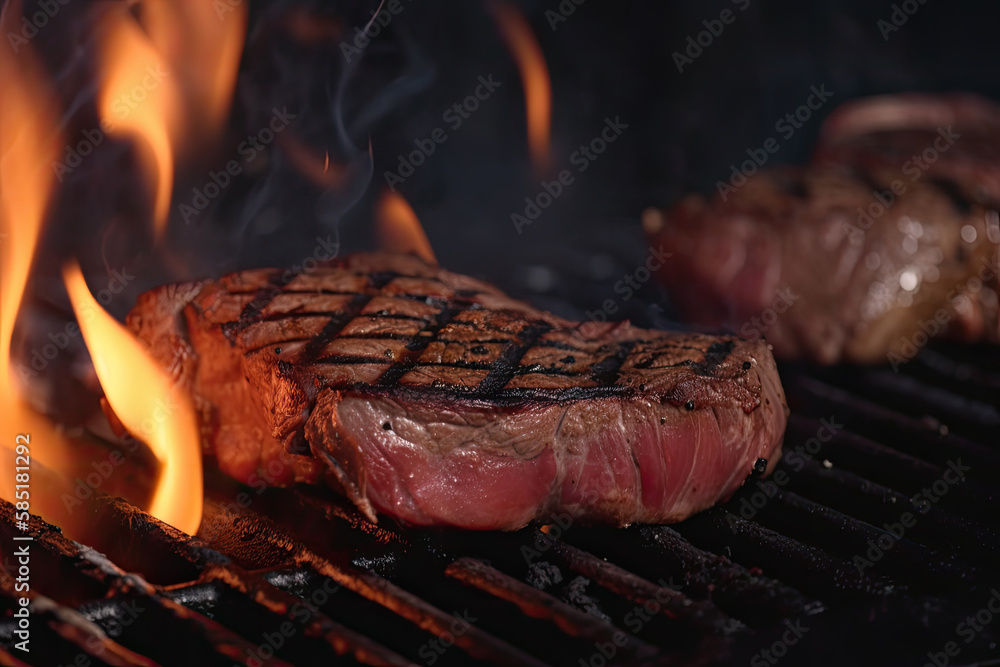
(317, 169)
(399, 229)
(148, 404)
(534, 75)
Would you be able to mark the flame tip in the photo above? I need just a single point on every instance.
(527, 53)
(161, 415)
(398, 228)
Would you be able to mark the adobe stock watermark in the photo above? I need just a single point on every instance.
(561, 14)
(696, 44)
(630, 283)
(967, 629)
(223, 7)
(454, 117)
(786, 127)
(922, 501)
(913, 169)
(779, 649)
(31, 25)
(635, 620)
(121, 107)
(796, 460)
(113, 627)
(302, 612)
(432, 650)
(85, 488)
(901, 13)
(248, 149)
(581, 158)
(380, 18)
(40, 358)
(757, 326)
(927, 329)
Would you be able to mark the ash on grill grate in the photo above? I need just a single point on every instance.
(864, 539)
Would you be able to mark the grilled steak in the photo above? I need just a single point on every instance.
(433, 398)
(815, 262)
(889, 239)
(952, 139)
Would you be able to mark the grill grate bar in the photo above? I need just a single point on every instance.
(539, 604)
(656, 551)
(970, 415)
(809, 569)
(928, 440)
(967, 379)
(845, 491)
(130, 598)
(477, 643)
(287, 607)
(891, 467)
(64, 631)
(836, 533)
(704, 615)
(214, 568)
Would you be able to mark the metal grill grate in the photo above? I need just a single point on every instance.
(775, 574)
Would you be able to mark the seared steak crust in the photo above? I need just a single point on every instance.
(795, 254)
(890, 234)
(435, 398)
(952, 139)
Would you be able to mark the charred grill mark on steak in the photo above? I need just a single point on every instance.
(437, 399)
(253, 311)
(341, 320)
(419, 343)
(507, 364)
(716, 354)
(457, 347)
(337, 323)
(606, 371)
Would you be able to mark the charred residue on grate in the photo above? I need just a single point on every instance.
(718, 587)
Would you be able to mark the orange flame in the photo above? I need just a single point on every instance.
(139, 99)
(170, 85)
(530, 60)
(28, 146)
(398, 228)
(148, 404)
(201, 42)
(188, 49)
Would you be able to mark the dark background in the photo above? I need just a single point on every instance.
(608, 59)
(615, 59)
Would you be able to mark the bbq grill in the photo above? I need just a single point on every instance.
(298, 577)
(875, 541)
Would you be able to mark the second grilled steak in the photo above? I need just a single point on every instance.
(951, 139)
(434, 398)
(796, 254)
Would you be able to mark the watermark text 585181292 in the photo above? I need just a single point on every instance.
(22, 550)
